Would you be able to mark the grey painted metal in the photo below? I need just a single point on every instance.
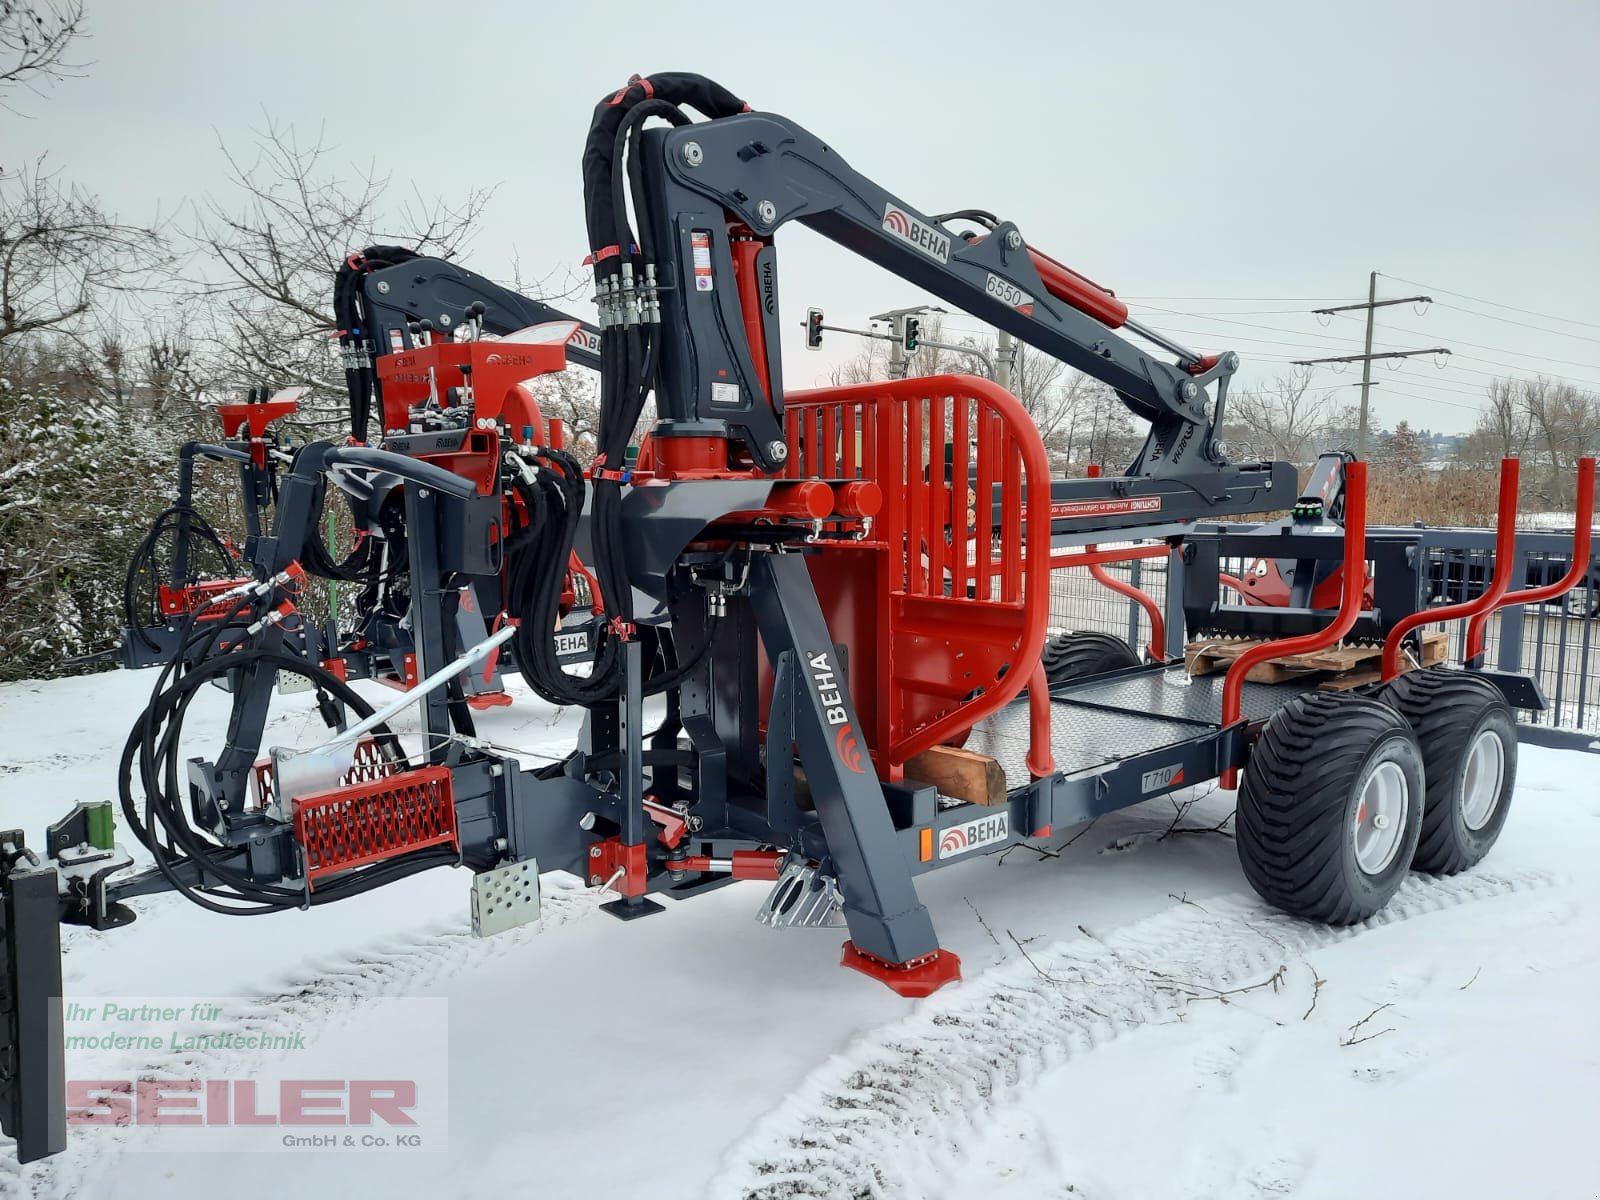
(1482, 777)
(33, 1106)
(708, 373)
(880, 902)
(1381, 807)
(431, 288)
(1108, 720)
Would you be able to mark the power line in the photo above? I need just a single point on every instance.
(1240, 299)
(1495, 304)
(1522, 324)
(1567, 362)
(1366, 358)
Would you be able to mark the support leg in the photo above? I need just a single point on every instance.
(891, 934)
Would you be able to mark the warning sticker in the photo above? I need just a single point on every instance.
(700, 245)
(1070, 509)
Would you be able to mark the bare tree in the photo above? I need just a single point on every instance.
(61, 254)
(34, 42)
(1278, 420)
(1502, 429)
(1564, 424)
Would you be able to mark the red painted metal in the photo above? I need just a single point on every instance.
(745, 247)
(362, 823)
(1082, 558)
(609, 857)
(1084, 294)
(1505, 543)
(1355, 559)
(862, 498)
(742, 864)
(936, 633)
(256, 416)
(914, 979)
(1581, 546)
(803, 499)
(1041, 758)
(199, 597)
(671, 824)
(1158, 621)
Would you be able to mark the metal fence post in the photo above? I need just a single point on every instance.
(1509, 655)
(1133, 609)
(1174, 603)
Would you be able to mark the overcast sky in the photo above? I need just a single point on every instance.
(1235, 163)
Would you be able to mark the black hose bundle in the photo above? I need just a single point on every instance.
(163, 824)
(355, 338)
(624, 271)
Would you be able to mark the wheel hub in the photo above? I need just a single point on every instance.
(1482, 778)
(1380, 817)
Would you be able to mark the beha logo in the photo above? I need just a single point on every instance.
(833, 711)
(849, 749)
(974, 835)
(913, 232)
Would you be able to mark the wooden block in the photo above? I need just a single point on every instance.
(1435, 648)
(1351, 679)
(975, 778)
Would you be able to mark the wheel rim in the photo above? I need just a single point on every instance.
(1482, 779)
(1381, 817)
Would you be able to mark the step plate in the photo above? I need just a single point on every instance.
(505, 897)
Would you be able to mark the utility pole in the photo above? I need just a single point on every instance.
(1005, 357)
(1367, 356)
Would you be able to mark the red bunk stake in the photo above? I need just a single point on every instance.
(1505, 544)
(1581, 543)
(1355, 561)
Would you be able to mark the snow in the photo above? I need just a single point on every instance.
(1089, 1052)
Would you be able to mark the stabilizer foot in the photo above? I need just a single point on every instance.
(631, 909)
(919, 977)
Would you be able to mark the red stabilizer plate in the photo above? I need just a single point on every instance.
(487, 700)
(920, 977)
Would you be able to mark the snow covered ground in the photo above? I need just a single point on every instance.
(1133, 1022)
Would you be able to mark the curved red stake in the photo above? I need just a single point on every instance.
(1505, 543)
(1041, 759)
(1157, 649)
(1355, 561)
(1581, 541)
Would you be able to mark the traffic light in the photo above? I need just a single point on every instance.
(813, 329)
(913, 330)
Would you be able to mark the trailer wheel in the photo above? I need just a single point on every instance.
(1331, 807)
(1469, 754)
(1079, 654)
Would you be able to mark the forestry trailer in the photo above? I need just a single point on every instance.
(832, 602)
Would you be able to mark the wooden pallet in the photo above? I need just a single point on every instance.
(1345, 666)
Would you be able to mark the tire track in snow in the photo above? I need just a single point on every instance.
(886, 1117)
(309, 997)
